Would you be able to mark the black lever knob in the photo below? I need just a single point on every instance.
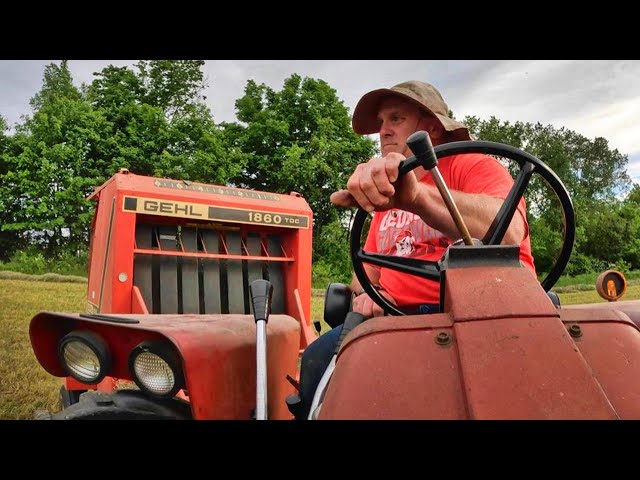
(422, 148)
(261, 292)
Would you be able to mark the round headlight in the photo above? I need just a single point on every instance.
(155, 367)
(85, 356)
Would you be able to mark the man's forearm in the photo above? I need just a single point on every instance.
(477, 210)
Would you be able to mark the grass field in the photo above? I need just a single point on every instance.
(24, 385)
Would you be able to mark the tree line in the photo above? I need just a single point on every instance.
(153, 120)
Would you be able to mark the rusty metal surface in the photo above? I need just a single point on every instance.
(631, 308)
(493, 292)
(395, 374)
(510, 368)
(612, 351)
(501, 350)
(610, 343)
(527, 368)
(391, 323)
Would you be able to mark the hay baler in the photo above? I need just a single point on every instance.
(172, 262)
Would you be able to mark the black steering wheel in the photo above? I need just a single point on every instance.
(420, 145)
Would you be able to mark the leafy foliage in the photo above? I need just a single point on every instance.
(297, 139)
(50, 165)
(77, 138)
(10, 240)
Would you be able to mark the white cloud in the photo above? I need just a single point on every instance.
(633, 169)
(618, 122)
(594, 98)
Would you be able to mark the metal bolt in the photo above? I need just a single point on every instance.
(575, 331)
(443, 338)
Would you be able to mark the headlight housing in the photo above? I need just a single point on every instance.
(85, 356)
(156, 369)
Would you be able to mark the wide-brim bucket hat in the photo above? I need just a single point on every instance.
(365, 116)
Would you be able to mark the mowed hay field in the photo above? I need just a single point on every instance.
(26, 387)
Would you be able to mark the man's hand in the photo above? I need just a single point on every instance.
(371, 186)
(363, 305)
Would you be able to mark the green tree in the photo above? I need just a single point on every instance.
(57, 83)
(114, 88)
(630, 215)
(612, 235)
(159, 125)
(77, 138)
(634, 195)
(4, 140)
(297, 139)
(10, 240)
(174, 86)
(52, 165)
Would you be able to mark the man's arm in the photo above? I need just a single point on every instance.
(477, 210)
(372, 187)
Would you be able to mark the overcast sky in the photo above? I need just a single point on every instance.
(594, 98)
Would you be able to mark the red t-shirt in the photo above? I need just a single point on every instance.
(396, 232)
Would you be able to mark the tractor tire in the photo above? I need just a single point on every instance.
(124, 405)
(42, 415)
(69, 397)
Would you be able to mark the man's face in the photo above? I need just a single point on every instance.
(399, 119)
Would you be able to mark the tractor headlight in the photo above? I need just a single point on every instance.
(155, 367)
(85, 356)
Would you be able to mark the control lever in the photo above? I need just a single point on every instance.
(422, 148)
(261, 292)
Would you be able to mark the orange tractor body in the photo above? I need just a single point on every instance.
(487, 360)
(166, 247)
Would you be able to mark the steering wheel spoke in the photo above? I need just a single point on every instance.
(501, 223)
(413, 266)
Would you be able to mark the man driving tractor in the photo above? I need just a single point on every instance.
(411, 218)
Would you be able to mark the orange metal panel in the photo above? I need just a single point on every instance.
(126, 200)
(218, 353)
(610, 343)
(527, 368)
(489, 357)
(488, 292)
(137, 303)
(396, 371)
(110, 288)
